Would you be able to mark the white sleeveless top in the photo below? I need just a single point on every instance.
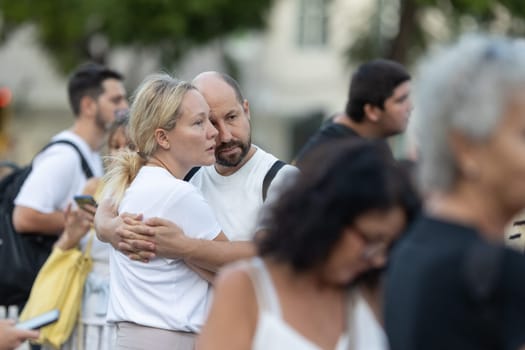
(272, 331)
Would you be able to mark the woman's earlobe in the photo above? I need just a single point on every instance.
(162, 139)
(164, 143)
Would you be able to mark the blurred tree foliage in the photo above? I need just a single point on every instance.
(403, 34)
(76, 30)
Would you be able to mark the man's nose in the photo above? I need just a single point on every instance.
(212, 131)
(224, 134)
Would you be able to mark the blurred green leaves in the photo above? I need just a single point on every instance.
(413, 34)
(76, 30)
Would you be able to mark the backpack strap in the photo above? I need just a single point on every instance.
(268, 178)
(9, 164)
(85, 167)
(192, 172)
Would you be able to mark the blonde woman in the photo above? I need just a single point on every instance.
(162, 304)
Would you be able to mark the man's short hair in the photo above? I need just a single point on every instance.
(372, 83)
(87, 80)
(234, 85)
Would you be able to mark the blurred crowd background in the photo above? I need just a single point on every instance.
(293, 58)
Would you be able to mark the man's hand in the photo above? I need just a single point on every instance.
(135, 238)
(154, 237)
(107, 222)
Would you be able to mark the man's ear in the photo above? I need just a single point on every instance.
(246, 108)
(161, 136)
(372, 112)
(87, 106)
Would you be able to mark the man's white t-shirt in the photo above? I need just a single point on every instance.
(57, 175)
(237, 198)
(163, 293)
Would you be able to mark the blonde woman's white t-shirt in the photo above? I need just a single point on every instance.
(163, 293)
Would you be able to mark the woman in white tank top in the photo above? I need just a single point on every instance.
(335, 223)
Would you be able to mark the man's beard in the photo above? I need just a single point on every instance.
(101, 123)
(234, 159)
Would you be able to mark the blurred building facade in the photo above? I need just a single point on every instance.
(294, 74)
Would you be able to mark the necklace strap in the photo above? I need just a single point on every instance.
(157, 162)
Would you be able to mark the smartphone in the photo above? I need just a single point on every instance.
(82, 200)
(40, 320)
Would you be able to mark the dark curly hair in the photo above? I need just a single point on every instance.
(340, 181)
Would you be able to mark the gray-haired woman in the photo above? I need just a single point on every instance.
(452, 284)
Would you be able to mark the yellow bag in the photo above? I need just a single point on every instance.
(59, 285)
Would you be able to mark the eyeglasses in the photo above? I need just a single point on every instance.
(374, 246)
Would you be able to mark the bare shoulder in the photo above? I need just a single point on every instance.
(234, 289)
(234, 278)
(232, 318)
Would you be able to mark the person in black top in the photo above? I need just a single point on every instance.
(378, 106)
(451, 283)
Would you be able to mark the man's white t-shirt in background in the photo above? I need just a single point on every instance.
(57, 175)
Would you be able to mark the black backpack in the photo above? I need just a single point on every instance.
(22, 255)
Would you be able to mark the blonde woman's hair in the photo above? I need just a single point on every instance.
(156, 104)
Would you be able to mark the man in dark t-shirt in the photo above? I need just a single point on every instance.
(378, 107)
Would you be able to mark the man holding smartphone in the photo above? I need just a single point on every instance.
(58, 173)
(95, 94)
